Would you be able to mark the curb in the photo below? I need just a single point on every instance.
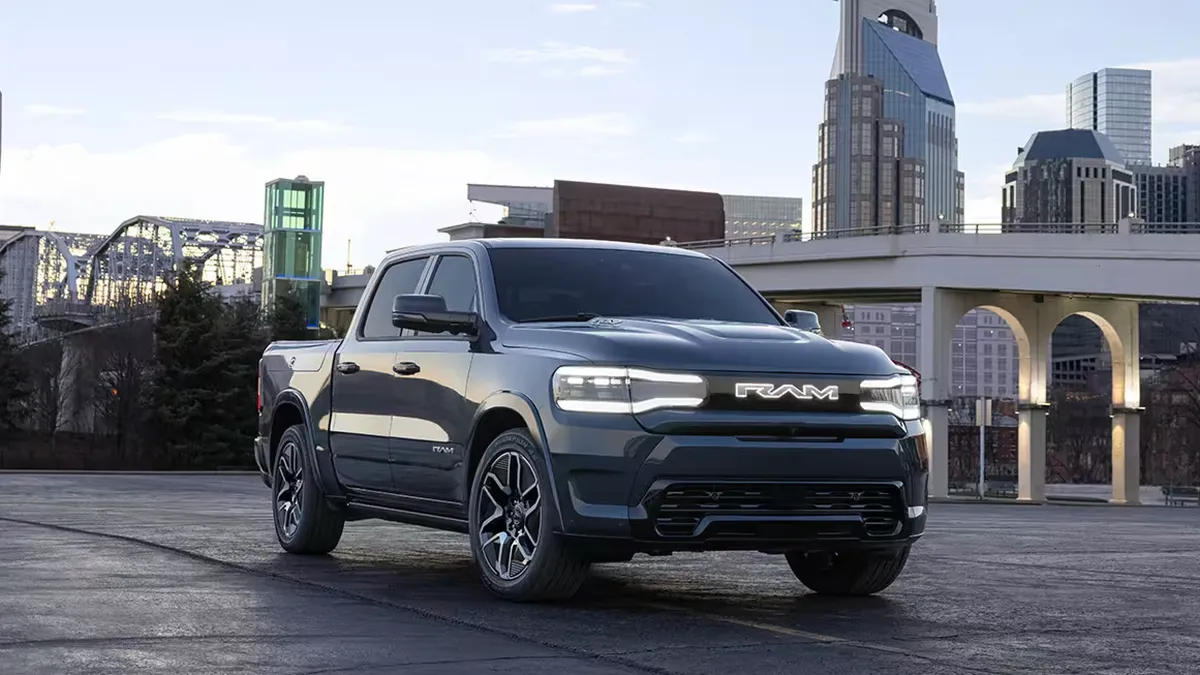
(83, 472)
(1050, 501)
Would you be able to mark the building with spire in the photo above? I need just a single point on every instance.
(887, 152)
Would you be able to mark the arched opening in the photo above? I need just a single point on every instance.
(990, 373)
(1086, 380)
(901, 21)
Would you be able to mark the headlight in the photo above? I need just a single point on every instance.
(601, 389)
(895, 395)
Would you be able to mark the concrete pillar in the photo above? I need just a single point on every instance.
(1118, 320)
(76, 380)
(1031, 453)
(1035, 322)
(1126, 456)
(940, 311)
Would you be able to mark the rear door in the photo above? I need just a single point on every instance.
(364, 396)
(429, 443)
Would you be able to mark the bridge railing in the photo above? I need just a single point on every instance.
(1068, 229)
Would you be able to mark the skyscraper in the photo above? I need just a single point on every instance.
(887, 150)
(1117, 103)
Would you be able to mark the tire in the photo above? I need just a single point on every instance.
(537, 570)
(317, 528)
(848, 572)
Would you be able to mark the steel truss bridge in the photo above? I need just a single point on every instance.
(62, 282)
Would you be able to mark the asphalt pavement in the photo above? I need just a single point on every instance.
(181, 574)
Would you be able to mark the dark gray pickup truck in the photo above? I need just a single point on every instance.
(568, 402)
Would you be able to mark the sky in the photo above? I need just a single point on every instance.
(137, 107)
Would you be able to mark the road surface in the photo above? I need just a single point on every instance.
(181, 574)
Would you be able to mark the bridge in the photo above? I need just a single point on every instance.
(1033, 275)
(82, 290)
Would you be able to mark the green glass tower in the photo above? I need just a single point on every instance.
(292, 222)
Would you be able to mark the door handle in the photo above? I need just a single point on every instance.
(406, 368)
(347, 367)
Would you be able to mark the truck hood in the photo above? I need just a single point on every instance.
(702, 346)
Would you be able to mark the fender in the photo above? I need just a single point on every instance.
(533, 421)
(321, 461)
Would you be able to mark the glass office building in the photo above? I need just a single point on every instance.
(887, 150)
(917, 93)
(1117, 103)
(754, 216)
(292, 224)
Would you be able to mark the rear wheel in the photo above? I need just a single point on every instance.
(848, 572)
(304, 520)
(511, 525)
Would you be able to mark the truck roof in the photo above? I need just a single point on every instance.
(537, 242)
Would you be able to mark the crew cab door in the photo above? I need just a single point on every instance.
(429, 442)
(364, 397)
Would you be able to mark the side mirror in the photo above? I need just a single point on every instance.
(803, 319)
(428, 314)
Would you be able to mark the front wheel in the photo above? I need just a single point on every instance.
(511, 525)
(848, 572)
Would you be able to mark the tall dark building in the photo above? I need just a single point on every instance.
(1068, 176)
(1187, 159)
(1163, 194)
(887, 149)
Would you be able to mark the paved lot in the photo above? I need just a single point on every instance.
(181, 574)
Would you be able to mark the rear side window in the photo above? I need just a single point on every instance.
(398, 279)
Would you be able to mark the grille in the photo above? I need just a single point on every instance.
(679, 509)
(723, 401)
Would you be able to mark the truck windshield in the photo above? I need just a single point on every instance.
(537, 283)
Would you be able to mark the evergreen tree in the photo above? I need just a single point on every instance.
(14, 380)
(190, 363)
(244, 336)
(286, 318)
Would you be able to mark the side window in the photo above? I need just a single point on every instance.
(398, 279)
(454, 280)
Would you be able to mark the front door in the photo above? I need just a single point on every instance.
(363, 396)
(429, 442)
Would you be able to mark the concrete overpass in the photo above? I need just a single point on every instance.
(1033, 275)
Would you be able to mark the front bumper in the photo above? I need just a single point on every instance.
(620, 487)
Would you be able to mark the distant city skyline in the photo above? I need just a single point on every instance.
(98, 130)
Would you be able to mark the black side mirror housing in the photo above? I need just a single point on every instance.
(803, 319)
(428, 314)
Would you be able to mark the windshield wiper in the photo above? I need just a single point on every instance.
(582, 316)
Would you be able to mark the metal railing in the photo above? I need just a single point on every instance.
(990, 229)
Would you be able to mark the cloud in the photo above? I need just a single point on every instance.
(1032, 107)
(693, 137)
(1176, 97)
(1175, 90)
(43, 110)
(215, 118)
(599, 71)
(606, 125)
(426, 189)
(572, 8)
(551, 52)
(983, 201)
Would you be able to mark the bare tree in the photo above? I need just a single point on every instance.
(49, 399)
(1079, 435)
(123, 355)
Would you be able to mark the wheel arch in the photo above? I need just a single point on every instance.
(498, 413)
(291, 408)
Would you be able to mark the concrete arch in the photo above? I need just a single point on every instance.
(1124, 392)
